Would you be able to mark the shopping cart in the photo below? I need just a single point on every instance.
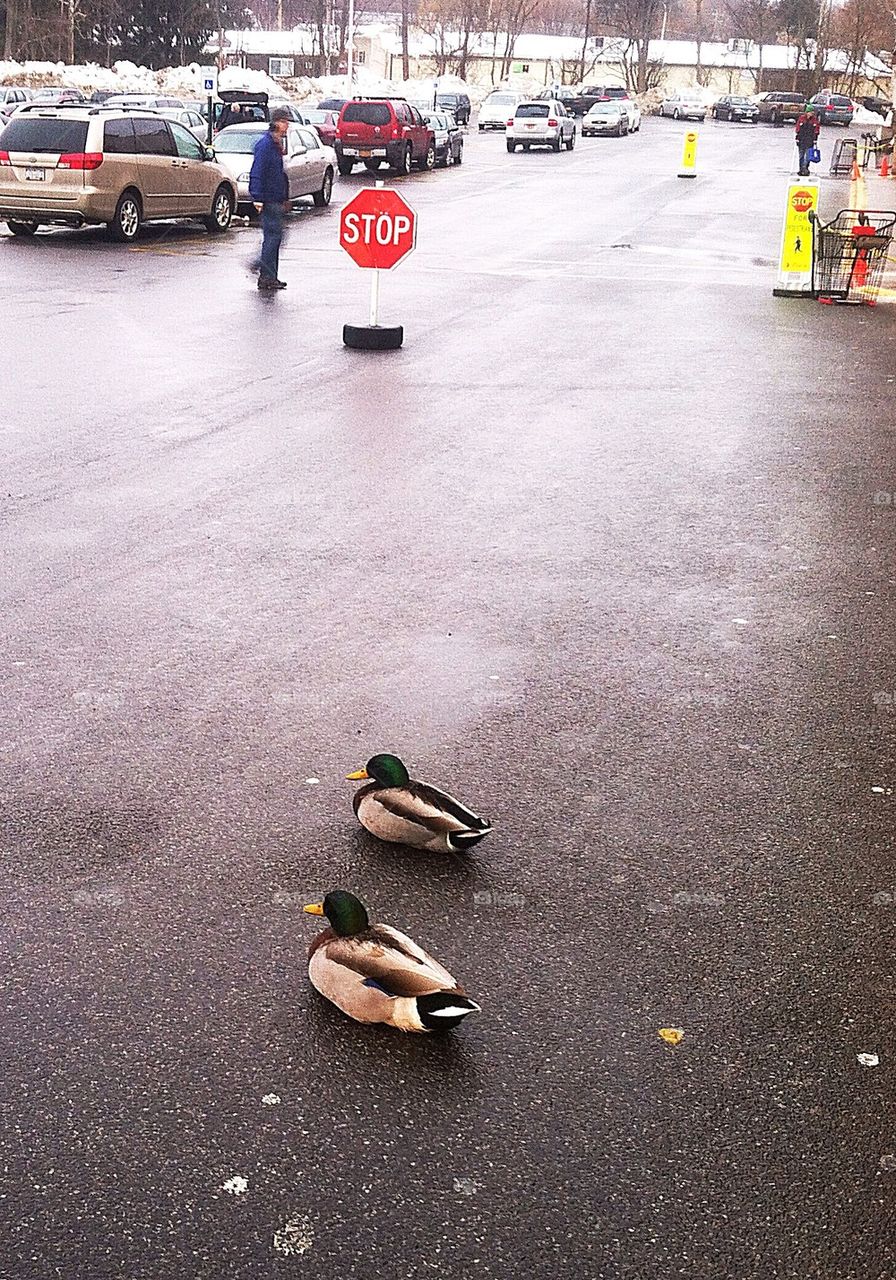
(851, 254)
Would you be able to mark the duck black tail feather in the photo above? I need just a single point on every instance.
(461, 840)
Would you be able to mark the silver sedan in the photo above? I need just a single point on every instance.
(309, 164)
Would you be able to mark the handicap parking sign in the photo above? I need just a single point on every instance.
(208, 84)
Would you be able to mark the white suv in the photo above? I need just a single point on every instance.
(541, 124)
(495, 110)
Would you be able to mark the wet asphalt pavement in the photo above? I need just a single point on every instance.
(608, 551)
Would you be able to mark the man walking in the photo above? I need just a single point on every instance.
(807, 129)
(269, 189)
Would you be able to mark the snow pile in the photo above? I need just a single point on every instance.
(186, 82)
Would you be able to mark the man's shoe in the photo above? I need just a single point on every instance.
(279, 284)
(265, 282)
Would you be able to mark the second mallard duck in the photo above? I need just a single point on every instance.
(401, 811)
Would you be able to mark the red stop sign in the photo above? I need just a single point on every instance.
(801, 201)
(377, 228)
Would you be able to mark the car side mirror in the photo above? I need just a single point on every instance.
(208, 154)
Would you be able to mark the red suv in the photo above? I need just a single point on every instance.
(373, 131)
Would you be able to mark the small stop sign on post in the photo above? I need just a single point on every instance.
(376, 229)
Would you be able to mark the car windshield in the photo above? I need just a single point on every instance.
(317, 116)
(241, 141)
(610, 105)
(532, 109)
(27, 133)
(740, 102)
(366, 113)
(500, 100)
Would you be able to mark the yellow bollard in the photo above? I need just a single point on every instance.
(689, 156)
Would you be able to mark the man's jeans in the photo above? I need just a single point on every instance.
(272, 229)
(804, 158)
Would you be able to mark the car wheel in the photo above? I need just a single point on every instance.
(22, 228)
(345, 167)
(125, 224)
(406, 160)
(221, 216)
(557, 143)
(676, 114)
(482, 128)
(459, 158)
(429, 160)
(572, 141)
(511, 146)
(322, 198)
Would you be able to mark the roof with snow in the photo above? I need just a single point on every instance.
(741, 54)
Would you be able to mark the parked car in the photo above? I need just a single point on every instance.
(449, 137)
(71, 166)
(191, 120)
(684, 104)
(778, 107)
(496, 109)
(332, 104)
(310, 166)
(880, 106)
(614, 116)
(541, 124)
(12, 96)
(100, 96)
(376, 131)
(50, 97)
(591, 94)
(244, 106)
(150, 101)
(832, 108)
(458, 104)
(731, 107)
(563, 94)
(324, 122)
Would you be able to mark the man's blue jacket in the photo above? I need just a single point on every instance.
(267, 177)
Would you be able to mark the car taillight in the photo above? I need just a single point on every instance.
(396, 131)
(80, 160)
(509, 124)
(552, 124)
(4, 158)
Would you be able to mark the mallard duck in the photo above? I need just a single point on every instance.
(396, 809)
(374, 973)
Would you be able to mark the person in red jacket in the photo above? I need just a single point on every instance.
(807, 130)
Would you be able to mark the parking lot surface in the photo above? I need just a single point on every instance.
(607, 551)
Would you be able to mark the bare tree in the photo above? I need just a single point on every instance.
(754, 20)
(637, 21)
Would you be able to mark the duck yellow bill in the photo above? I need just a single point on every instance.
(358, 776)
(314, 909)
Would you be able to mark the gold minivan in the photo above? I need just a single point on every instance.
(79, 164)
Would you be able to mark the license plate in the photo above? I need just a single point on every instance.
(373, 151)
(35, 175)
(349, 151)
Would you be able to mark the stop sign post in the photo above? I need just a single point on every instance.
(376, 229)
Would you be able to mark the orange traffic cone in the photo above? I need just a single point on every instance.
(860, 270)
(885, 167)
(855, 171)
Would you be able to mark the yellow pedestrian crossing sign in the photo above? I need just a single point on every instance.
(689, 155)
(797, 241)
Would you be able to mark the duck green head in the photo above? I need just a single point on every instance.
(346, 913)
(385, 769)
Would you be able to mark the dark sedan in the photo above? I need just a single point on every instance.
(449, 137)
(733, 108)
